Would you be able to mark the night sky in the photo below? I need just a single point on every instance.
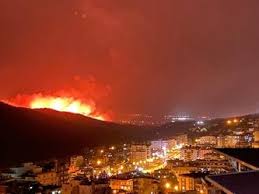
(198, 57)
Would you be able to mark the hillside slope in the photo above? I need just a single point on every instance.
(29, 135)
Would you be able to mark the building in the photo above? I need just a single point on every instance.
(203, 152)
(61, 168)
(71, 187)
(234, 183)
(245, 180)
(171, 143)
(214, 165)
(48, 178)
(207, 140)
(145, 185)
(179, 167)
(76, 161)
(213, 156)
(80, 186)
(134, 182)
(241, 159)
(167, 179)
(182, 139)
(17, 172)
(256, 139)
(194, 153)
(231, 141)
(158, 145)
(245, 161)
(192, 182)
(220, 141)
(189, 153)
(139, 152)
(121, 184)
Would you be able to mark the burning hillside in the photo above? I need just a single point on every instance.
(64, 103)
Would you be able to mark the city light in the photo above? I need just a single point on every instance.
(200, 122)
(167, 185)
(229, 122)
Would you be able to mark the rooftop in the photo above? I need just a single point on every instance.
(132, 175)
(195, 174)
(246, 155)
(238, 183)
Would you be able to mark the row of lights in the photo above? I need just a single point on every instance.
(229, 122)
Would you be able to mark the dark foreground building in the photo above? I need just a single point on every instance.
(246, 178)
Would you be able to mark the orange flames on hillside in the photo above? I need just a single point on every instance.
(59, 103)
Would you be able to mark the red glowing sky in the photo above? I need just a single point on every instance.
(157, 57)
(84, 98)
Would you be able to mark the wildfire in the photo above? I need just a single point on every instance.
(58, 103)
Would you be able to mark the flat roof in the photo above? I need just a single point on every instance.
(246, 155)
(195, 174)
(236, 183)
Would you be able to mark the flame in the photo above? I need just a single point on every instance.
(62, 104)
(59, 103)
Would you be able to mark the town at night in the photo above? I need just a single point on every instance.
(129, 97)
